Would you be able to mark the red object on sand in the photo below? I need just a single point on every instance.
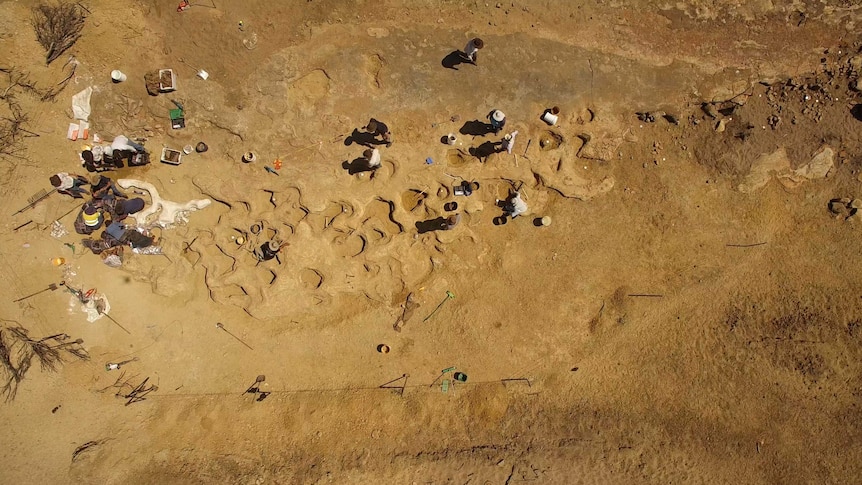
(183, 5)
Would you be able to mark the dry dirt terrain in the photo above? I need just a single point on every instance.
(692, 314)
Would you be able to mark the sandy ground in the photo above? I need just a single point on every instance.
(741, 366)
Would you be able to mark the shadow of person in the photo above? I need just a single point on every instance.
(485, 150)
(356, 166)
(476, 128)
(361, 138)
(453, 59)
(437, 224)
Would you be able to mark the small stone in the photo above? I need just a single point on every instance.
(856, 204)
(546, 221)
(857, 85)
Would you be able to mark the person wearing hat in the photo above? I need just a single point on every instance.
(69, 184)
(99, 159)
(104, 187)
(452, 221)
(372, 155)
(509, 141)
(378, 128)
(472, 49)
(515, 206)
(89, 219)
(125, 207)
(268, 250)
(498, 120)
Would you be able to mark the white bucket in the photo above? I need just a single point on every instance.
(450, 138)
(118, 76)
(550, 118)
(203, 74)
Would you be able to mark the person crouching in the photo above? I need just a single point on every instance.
(89, 219)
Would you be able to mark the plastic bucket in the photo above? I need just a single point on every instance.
(550, 118)
(118, 76)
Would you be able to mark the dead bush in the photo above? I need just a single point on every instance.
(57, 27)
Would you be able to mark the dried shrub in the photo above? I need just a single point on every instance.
(57, 27)
(17, 351)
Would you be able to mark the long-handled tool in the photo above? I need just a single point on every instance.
(51, 287)
(221, 326)
(115, 322)
(449, 296)
(35, 199)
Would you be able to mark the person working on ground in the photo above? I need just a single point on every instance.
(122, 143)
(509, 141)
(119, 232)
(89, 219)
(69, 184)
(498, 120)
(515, 206)
(104, 187)
(378, 128)
(99, 159)
(126, 207)
(472, 49)
(268, 250)
(373, 157)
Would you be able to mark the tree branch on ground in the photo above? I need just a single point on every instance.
(57, 27)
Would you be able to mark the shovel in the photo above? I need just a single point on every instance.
(51, 287)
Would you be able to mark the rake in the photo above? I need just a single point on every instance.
(35, 199)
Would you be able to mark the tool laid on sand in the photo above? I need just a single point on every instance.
(442, 373)
(35, 199)
(221, 326)
(449, 296)
(270, 170)
(51, 287)
(452, 119)
(117, 365)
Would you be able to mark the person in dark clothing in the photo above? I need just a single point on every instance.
(268, 250)
(102, 185)
(100, 162)
(378, 128)
(119, 232)
(497, 119)
(125, 207)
